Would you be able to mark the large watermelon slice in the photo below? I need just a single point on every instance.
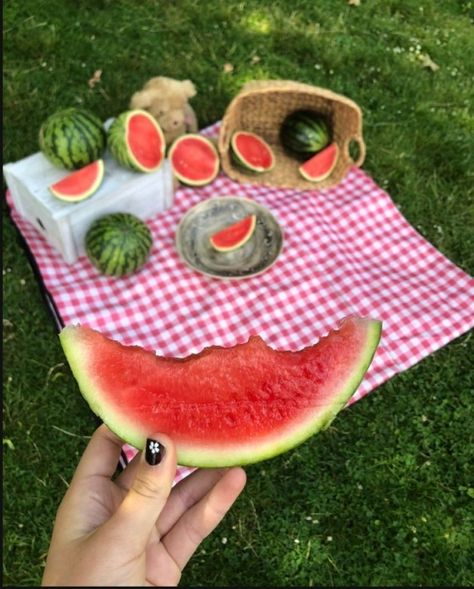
(223, 406)
(80, 184)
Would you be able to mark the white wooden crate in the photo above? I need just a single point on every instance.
(64, 225)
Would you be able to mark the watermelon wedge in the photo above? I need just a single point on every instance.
(234, 236)
(194, 159)
(81, 184)
(223, 406)
(321, 165)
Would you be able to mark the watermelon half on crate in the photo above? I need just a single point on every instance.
(80, 184)
(136, 141)
(222, 406)
(194, 159)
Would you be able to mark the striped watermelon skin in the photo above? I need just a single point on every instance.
(118, 244)
(304, 133)
(72, 138)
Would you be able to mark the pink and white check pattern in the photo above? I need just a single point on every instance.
(347, 249)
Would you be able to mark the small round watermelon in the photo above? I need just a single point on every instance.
(118, 244)
(72, 138)
(304, 132)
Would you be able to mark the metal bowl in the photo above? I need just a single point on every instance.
(210, 216)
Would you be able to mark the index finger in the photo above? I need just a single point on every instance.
(101, 456)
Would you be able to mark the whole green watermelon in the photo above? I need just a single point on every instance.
(118, 244)
(304, 132)
(72, 138)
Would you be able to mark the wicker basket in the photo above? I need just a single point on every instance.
(261, 107)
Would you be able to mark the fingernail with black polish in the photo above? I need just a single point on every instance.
(154, 452)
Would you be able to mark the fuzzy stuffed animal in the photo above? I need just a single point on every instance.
(166, 99)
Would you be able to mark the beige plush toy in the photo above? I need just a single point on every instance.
(167, 100)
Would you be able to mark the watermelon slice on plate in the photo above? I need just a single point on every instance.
(321, 165)
(81, 184)
(234, 236)
(222, 406)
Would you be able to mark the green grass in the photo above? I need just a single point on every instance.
(386, 495)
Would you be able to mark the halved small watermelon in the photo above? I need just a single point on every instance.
(234, 236)
(194, 159)
(136, 141)
(320, 166)
(252, 152)
(222, 406)
(80, 184)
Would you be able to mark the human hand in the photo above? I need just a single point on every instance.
(135, 530)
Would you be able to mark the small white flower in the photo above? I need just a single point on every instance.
(329, 538)
(359, 486)
(224, 540)
(154, 447)
(296, 541)
(308, 518)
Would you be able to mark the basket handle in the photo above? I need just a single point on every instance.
(360, 142)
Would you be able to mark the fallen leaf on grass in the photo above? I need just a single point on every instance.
(95, 78)
(228, 68)
(427, 62)
(353, 2)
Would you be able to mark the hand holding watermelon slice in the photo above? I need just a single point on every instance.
(223, 406)
(134, 530)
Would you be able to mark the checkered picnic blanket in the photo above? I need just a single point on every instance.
(347, 250)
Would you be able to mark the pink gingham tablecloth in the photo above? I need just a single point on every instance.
(347, 249)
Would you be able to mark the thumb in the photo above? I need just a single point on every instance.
(138, 512)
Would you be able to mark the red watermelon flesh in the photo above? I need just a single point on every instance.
(321, 165)
(234, 236)
(223, 406)
(252, 151)
(194, 159)
(80, 184)
(145, 141)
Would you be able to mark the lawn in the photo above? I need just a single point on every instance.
(385, 496)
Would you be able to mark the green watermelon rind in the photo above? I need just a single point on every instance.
(304, 133)
(248, 454)
(69, 150)
(117, 141)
